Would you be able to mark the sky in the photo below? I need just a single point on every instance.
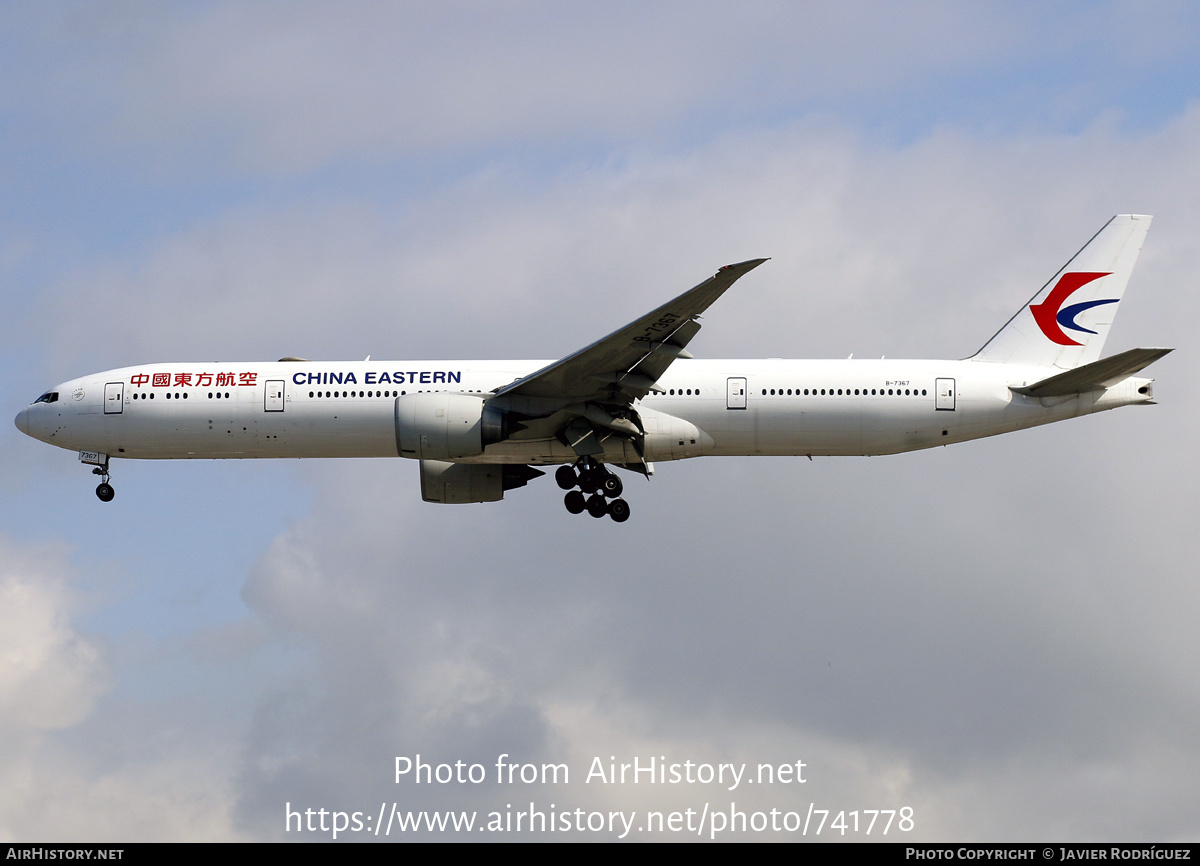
(998, 636)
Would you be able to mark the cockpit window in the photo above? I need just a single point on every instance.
(48, 397)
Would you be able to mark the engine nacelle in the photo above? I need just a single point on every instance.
(444, 425)
(456, 483)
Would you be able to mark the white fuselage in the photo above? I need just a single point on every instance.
(739, 407)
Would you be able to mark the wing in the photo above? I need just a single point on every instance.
(587, 397)
(625, 365)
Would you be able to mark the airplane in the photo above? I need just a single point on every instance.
(633, 398)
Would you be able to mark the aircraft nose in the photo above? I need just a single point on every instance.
(22, 421)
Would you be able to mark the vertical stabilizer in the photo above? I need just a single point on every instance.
(1065, 324)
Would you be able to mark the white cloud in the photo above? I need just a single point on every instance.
(998, 635)
(50, 675)
(77, 764)
(274, 88)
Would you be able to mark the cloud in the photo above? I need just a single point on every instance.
(50, 675)
(269, 89)
(927, 247)
(996, 635)
(78, 762)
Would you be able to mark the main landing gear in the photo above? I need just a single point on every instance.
(597, 493)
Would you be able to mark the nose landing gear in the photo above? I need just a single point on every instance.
(104, 490)
(598, 489)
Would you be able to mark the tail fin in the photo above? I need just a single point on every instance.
(1065, 324)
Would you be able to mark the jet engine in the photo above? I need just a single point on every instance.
(456, 483)
(444, 425)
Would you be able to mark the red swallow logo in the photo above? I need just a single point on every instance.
(1052, 317)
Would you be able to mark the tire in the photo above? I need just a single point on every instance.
(574, 502)
(566, 477)
(597, 505)
(105, 492)
(611, 485)
(618, 510)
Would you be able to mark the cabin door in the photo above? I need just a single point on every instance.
(274, 396)
(944, 388)
(114, 393)
(735, 393)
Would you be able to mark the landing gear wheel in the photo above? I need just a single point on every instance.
(618, 510)
(105, 491)
(566, 477)
(574, 502)
(611, 485)
(588, 482)
(597, 505)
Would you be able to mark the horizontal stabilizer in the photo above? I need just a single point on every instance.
(1094, 376)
